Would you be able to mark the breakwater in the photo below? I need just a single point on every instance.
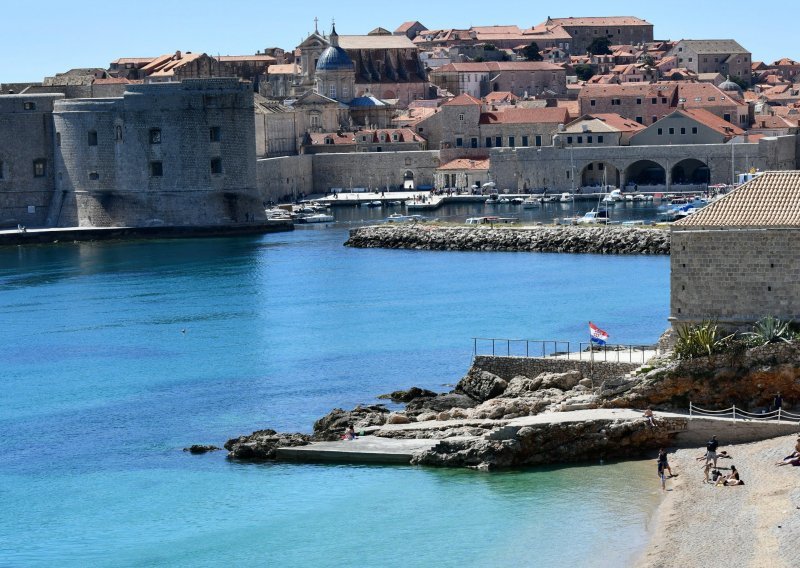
(570, 239)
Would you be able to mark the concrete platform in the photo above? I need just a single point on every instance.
(367, 449)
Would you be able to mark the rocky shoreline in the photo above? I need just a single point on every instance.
(569, 239)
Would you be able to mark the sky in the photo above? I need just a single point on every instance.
(56, 36)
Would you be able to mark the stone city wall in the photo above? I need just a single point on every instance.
(373, 170)
(284, 179)
(734, 276)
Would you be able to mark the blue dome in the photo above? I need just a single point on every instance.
(334, 59)
(367, 101)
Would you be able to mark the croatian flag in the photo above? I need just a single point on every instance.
(598, 335)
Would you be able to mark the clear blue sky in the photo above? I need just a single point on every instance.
(47, 37)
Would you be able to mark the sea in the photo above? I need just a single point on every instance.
(114, 356)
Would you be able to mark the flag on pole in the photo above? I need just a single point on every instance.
(598, 335)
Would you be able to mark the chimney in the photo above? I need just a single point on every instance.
(177, 55)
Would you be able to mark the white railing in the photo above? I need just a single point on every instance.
(733, 412)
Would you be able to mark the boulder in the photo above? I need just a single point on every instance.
(481, 385)
(563, 381)
(408, 395)
(201, 449)
(261, 445)
(520, 386)
(442, 402)
(397, 418)
(331, 426)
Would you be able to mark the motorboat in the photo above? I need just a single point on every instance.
(518, 201)
(374, 204)
(492, 199)
(504, 200)
(566, 197)
(593, 217)
(394, 203)
(530, 203)
(278, 214)
(316, 218)
(400, 218)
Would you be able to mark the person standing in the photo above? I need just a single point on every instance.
(777, 402)
(711, 450)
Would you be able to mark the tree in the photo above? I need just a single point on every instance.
(741, 82)
(584, 72)
(600, 46)
(531, 52)
(489, 47)
(647, 60)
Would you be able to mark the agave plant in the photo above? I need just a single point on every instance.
(770, 329)
(700, 340)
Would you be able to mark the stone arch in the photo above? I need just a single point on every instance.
(646, 172)
(598, 173)
(408, 180)
(691, 171)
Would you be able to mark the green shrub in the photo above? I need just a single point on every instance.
(701, 340)
(770, 329)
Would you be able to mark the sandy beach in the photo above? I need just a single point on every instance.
(757, 524)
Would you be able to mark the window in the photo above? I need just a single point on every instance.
(216, 165)
(498, 141)
(93, 138)
(118, 133)
(590, 167)
(58, 139)
(328, 140)
(314, 121)
(215, 133)
(655, 119)
(663, 100)
(332, 91)
(580, 139)
(461, 117)
(524, 140)
(538, 140)
(653, 101)
(640, 120)
(459, 142)
(473, 143)
(601, 166)
(690, 60)
(599, 139)
(672, 131)
(683, 130)
(592, 102)
(488, 141)
(155, 136)
(616, 102)
(29, 105)
(396, 137)
(379, 149)
(660, 131)
(588, 139)
(94, 176)
(345, 92)
(638, 101)
(727, 116)
(156, 169)
(567, 174)
(694, 130)
(569, 139)
(1, 170)
(39, 168)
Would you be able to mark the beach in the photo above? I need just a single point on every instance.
(754, 525)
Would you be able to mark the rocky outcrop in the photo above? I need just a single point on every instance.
(261, 445)
(201, 448)
(553, 443)
(408, 395)
(440, 403)
(481, 385)
(748, 378)
(596, 240)
(331, 426)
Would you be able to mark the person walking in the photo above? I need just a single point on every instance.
(711, 450)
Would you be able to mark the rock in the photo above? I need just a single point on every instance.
(585, 383)
(519, 386)
(201, 449)
(443, 416)
(261, 445)
(442, 402)
(331, 426)
(408, 395)
(397, 418)
(481, 385)
(563, 381)
(426, 416)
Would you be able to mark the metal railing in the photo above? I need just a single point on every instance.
(573, 351)
(733, 412)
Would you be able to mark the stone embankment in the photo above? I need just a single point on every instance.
(569, 239)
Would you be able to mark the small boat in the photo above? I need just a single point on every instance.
(518, 201)
(393, 203)
(504, 200)
(494, 198)
(488, 220)
(374, 204)
(640, 197)
(593, 218)
(316, 218)
(530, 203)
(400, 218)
(566, 197)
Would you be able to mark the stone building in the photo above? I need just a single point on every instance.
(644, 103)
(174, 68)
(383, 140)
(735, 261)
(522, 78)
(26, 158)
(723, 56)
(597, 130)
(687, 126)
(620, 30)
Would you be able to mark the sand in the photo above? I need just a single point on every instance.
(757, 524)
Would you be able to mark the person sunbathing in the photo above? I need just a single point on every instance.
(791, 459)
(720, 455)
(731, 479)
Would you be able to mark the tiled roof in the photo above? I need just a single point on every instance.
(770, 200)
(619, 122)
(463, 100)
(712, 46)
(375, 42)
(166, 64)
(548, 115)
(405, 26)
(712, 121)
(466, 164)
(287, 69)
(134, 60)
(704, 95)
(489, 66)
(544, 33)
(500, 97)
(768, 121)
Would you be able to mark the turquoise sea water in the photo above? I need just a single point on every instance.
(102, 388)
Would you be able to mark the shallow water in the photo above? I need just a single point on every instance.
(116, 355)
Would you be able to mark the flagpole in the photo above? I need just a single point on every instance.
(591, 356)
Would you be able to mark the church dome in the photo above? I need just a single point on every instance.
(730, 86)
(334, 59)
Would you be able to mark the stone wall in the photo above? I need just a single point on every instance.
(509, 367)
(734, 276)
(284, 179)
(372, 169)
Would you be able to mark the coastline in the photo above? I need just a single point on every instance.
(753, 525)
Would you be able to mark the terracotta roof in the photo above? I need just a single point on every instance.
(704, 95)
(463, 100)
(287, 69)
(489, 66)
(465, 164)
(509, 30)
(544, 33)
(598, 21)
(405, 26)
(769, 121)
(548, 115)
(712, 121)
(500, 97)
(134, 60)
(630, 89)
(166, 64)
(770, 200)
(375, 42)
(618, 122)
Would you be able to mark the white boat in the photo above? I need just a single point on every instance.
(279, 214)
(374, 204)
(393, 203)
(530, 203)
(565, 197)
(492, 199)
(489, 220)
(504, 200)
(518, 201)
(593, 218)
(316, 218)
(400, 218)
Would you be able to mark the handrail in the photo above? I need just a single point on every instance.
(542, 348)
(779, 414)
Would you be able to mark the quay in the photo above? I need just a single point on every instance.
(396, 444)
(13, 237)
